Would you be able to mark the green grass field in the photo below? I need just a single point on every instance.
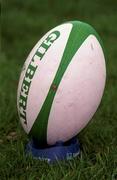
(23, 23)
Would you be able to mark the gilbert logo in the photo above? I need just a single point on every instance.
(40, 52)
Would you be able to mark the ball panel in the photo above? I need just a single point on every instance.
(79, 92)
(45, 74)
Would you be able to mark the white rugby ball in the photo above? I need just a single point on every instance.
(61, 83)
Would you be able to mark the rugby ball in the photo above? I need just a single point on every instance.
(61, 83)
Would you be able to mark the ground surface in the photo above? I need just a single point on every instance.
(23, 23)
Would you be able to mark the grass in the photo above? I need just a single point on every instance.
(23, 23)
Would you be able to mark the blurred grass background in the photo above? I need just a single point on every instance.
(23, 24)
